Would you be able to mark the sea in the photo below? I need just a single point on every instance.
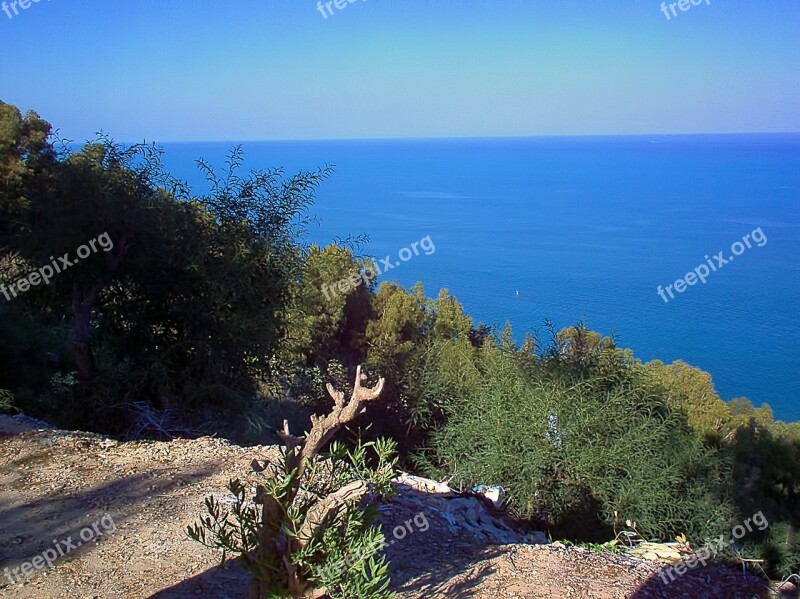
(564, 230)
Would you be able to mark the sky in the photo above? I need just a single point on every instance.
(214, 70)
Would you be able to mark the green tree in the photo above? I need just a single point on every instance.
(311, 537)
(184, 308)
(691, 390)
(405, 328)
(26, 162)
(327, 321)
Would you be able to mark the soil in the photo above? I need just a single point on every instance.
(141, 496)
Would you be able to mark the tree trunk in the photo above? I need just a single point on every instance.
(302, 451)
(81, 339)
(82, 305)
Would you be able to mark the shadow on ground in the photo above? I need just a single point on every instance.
(710, 582)
(441, 576)
(454, 575)
(228, 582)
(57, 520)
(460, 580)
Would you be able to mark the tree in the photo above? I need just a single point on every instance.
(26, 161)
(328, 321)
(405, 326)
(582, 455)
(185, 306)
(691, 390)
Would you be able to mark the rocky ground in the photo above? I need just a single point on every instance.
(133, 501)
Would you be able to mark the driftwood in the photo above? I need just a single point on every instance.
(302, 451)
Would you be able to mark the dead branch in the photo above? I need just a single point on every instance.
(300, 452)
(317, 516)
(324, 428)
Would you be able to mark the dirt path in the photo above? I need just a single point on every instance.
(128, 506)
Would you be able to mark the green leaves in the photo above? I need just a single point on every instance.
(6, 401)
(343, 558)
(234, 528)
(187, 311)
(579, 452)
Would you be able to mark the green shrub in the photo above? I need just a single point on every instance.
(6, 401)
(582, 456)
(780, 550)
(31, 349)
(311, 519)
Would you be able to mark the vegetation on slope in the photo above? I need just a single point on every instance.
(208, 316)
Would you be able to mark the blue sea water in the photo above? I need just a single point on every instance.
(562, 229)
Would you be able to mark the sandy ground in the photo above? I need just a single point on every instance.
(140, 496)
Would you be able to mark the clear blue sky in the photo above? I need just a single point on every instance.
(171, 70)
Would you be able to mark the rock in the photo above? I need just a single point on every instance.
(657, 552)
(422, 485)
(497, 495)
(469, 512)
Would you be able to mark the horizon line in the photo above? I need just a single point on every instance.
(462, 137)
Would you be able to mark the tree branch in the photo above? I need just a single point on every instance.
(317, 516)
(324, 428)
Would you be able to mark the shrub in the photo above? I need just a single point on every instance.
(582, 456)
(311, 520)
(6, 401)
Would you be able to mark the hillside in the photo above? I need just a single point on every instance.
(54, 484)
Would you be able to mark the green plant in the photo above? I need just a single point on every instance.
(582, 453)
(298, 534)
(6, 401)
(607, 547)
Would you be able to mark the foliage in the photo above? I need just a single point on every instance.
(26, 162)
(236, 529)
(311, 519)
(323, 323)
(6, 401)
(582, 455)
(691, 390)
(184, 313)
(32, 351)
(406, 326)
(210, 315)
(780, 549)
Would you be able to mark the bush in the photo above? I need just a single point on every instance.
(582, 456)
(6, 401)
(780, 550)
(301, 542)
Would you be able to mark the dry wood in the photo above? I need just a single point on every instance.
(300, 452)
